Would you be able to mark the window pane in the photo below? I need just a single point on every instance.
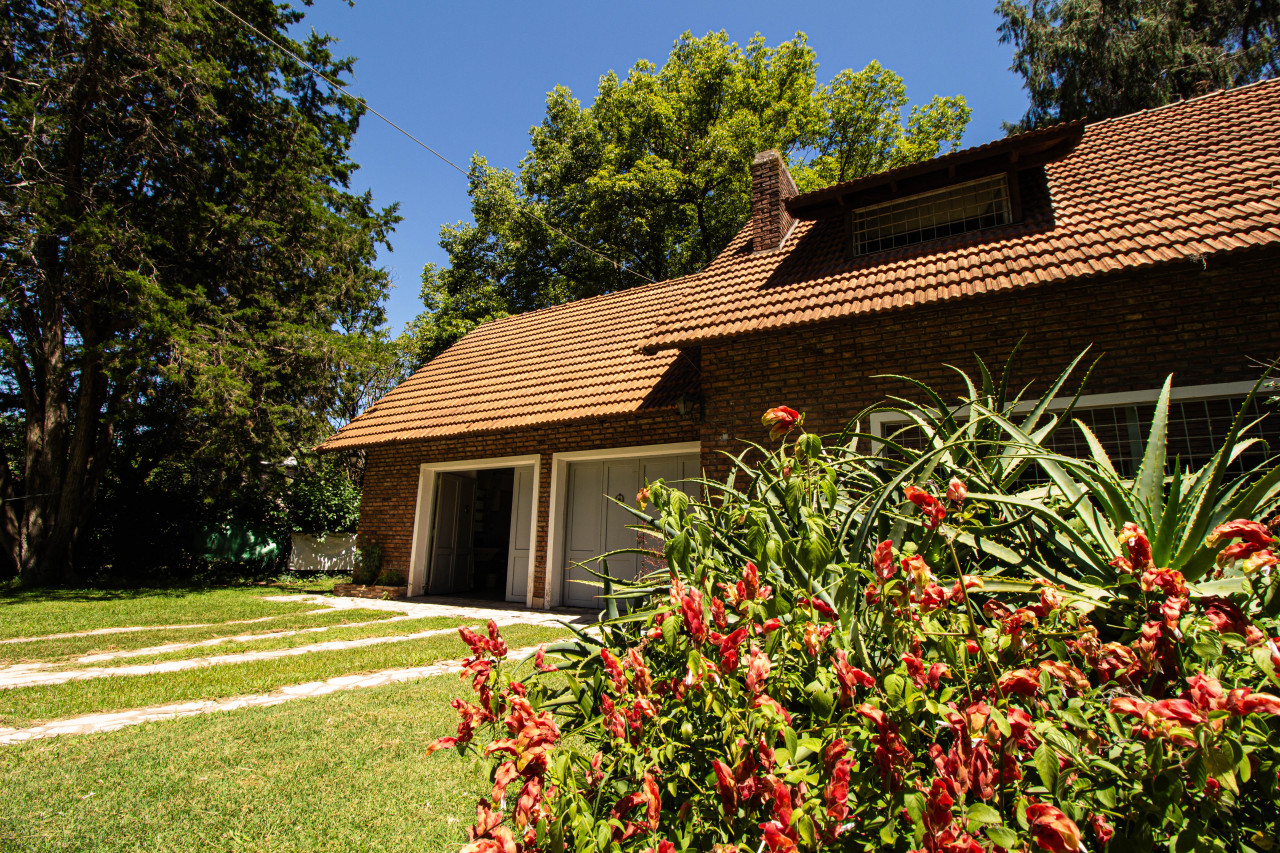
(928, 216)
(1196, 429)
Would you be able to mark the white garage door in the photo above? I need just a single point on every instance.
(595, 525)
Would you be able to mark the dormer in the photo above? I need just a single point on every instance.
(967, 191)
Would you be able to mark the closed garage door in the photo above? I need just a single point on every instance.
(595, 525)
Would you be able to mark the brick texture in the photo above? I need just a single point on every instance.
(1206, 324)
(389, 496)
(771, 186)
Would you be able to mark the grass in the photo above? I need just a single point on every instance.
(343, 772)
(269, 643)
(25, 706)
(70, 648)
(35, 613)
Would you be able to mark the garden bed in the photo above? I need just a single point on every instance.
(356, 590)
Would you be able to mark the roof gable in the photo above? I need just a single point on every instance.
(571, 361)
(1179, 182)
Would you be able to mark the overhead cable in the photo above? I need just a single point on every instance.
(618, 266)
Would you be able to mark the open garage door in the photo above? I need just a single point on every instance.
(595, 525)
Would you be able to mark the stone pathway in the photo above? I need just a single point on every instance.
(91, 723)
(42, 674)
(23, 676)
(217, 641)
(423, 607)
(134, 628)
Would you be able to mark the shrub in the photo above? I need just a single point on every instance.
(368, 564)
(824, 666)
(389, 577)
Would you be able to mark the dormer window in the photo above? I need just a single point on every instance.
(957, 209)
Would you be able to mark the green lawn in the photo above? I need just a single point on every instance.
(25, 706)
(267, 642)
(35, 613)
(70, 648)
(343, 772)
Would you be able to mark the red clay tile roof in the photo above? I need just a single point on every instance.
(1190, 179)
(577, 360)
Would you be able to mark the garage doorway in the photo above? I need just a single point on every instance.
(594, 524)
(473, 529)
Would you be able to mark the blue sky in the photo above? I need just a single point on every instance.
(468, 77)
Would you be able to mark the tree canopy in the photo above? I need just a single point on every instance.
(1102, 58)
(185, 268)
(655, 174)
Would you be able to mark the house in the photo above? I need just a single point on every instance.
(1153, 237)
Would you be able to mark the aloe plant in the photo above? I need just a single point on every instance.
(1176, 511)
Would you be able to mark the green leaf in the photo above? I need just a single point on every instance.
(894, 688)
(983, 813)
(1002, 836)
(1046, 761)
(1001, 722)
(789, 736)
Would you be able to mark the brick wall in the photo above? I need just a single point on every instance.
(1205, 324)
(771, 185)
(390, 493)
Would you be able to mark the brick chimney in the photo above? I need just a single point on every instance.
(771, 185)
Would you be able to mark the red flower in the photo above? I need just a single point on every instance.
(836, 794)
(695, 621)
(757, 670)
(782, 807)
(539, 660)
(1066, 676)
(643, 681)
(938, 814)
(1252, 532)
(882, 561)
(1134, 538)
(717, 613)
(952, 840)
(729, 648)
(956, 491)
(850, 677)
(649, 797)
(970, 582)
(613, 667)
(915, 568)
(769, 626)
(822, 607)
(780, 420)
(1177, 711)
(766, 701)
(1102, 830)
(930, 507)
(815, 636)
(1052, 829)
(779, 838)
(527, 804)
(1260, 703)
(1168, 581)
(725, 787)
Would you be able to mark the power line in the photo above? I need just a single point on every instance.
(618, 266)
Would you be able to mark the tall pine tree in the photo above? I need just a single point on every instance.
(184, 265)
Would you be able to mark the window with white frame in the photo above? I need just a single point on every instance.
(958, 209)
(1199, 418)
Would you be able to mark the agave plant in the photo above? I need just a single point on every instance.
(1177, 511)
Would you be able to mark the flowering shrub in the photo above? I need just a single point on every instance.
(775, 692)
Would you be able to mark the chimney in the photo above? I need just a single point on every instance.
(771, 185)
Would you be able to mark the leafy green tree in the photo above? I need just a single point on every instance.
(655, 174)
(184, 268)
(1102, 58)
